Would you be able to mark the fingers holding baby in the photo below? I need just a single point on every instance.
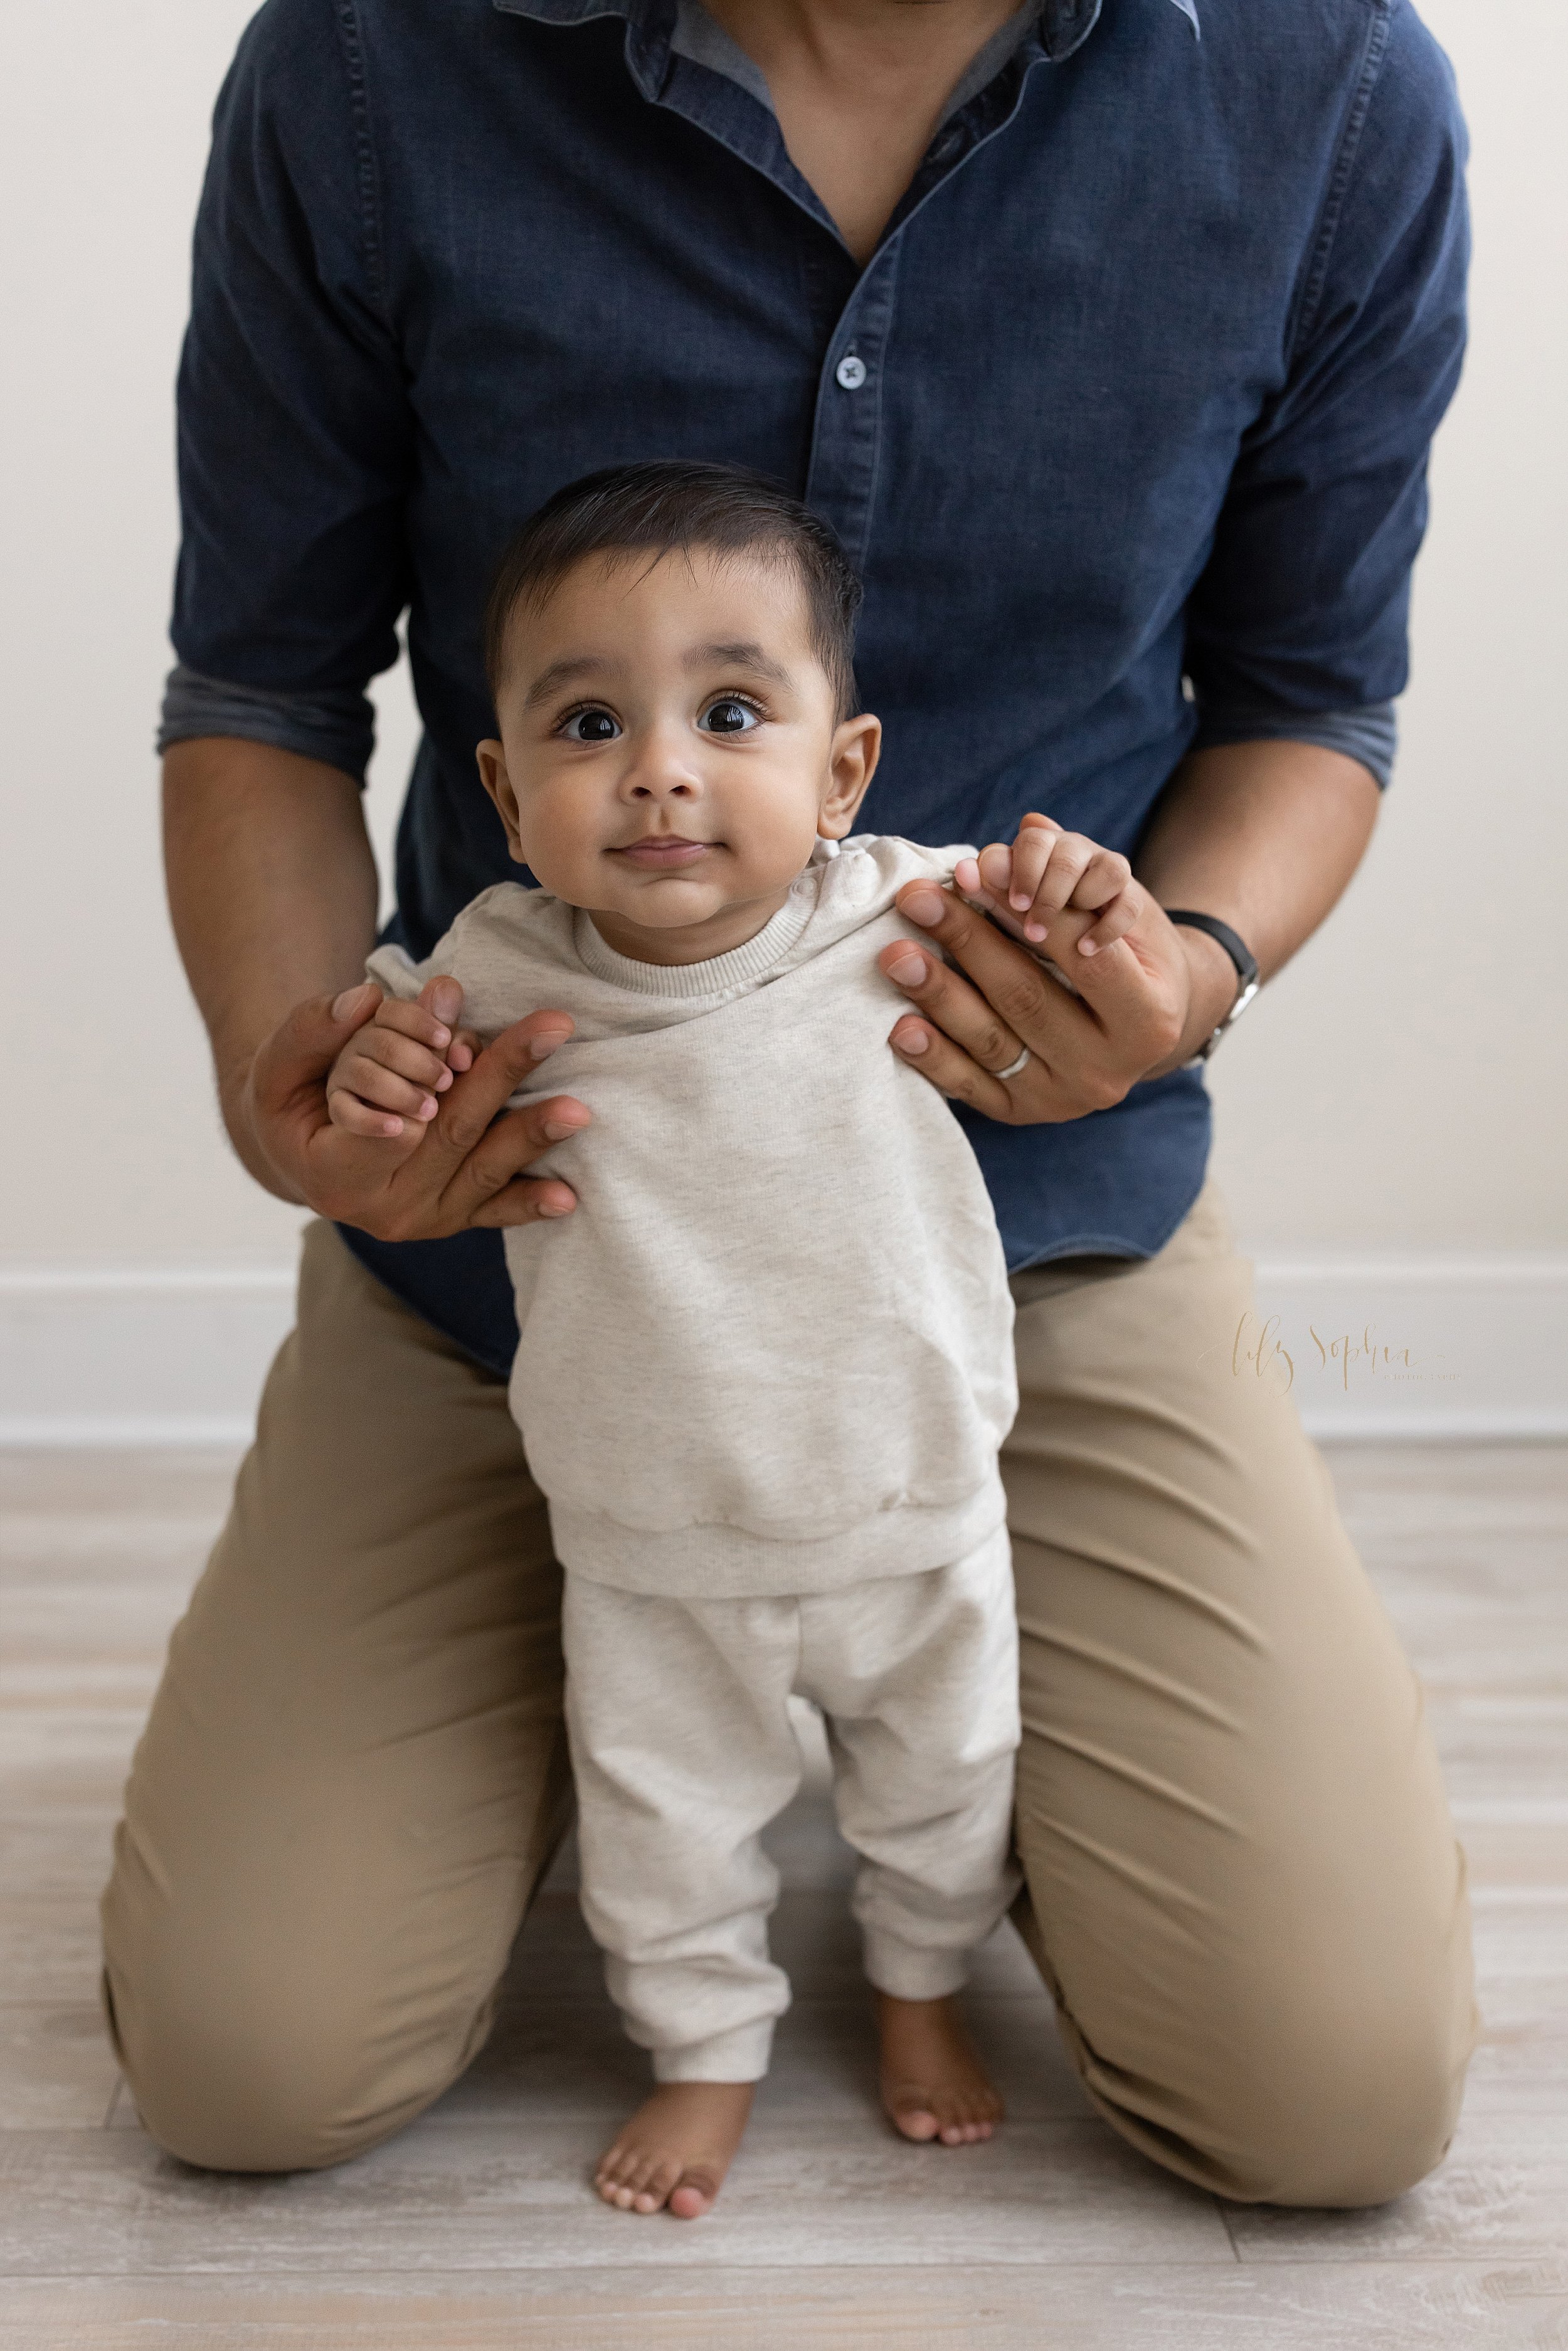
(987, 1028)
(387, 1082)
(1046, 873)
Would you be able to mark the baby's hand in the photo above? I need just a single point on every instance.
(385, 1081)
(1045, 871)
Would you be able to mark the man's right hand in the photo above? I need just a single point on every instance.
(463, 1169)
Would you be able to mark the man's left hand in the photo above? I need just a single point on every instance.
(1146, 1000)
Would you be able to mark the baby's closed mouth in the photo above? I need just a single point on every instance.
(660, 853)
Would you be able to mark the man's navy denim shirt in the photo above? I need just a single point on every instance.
(1145, 367)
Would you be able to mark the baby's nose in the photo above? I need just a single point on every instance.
(659, 788)
(661, 774)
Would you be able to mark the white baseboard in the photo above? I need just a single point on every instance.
(1429, 1348)
(134, 1355)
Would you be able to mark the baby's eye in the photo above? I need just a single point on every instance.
(729, 717)
(591, 726)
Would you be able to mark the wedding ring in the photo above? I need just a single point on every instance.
(1014, 1067)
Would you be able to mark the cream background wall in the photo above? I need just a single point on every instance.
(1391, 1112)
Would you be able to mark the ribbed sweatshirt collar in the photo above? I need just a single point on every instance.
(719, 974)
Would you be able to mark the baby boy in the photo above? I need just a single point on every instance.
(766, 1367)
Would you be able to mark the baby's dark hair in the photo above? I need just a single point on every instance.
(673, 505)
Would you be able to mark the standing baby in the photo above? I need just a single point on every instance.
(765, 1366)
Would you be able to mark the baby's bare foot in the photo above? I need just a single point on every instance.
(676, 2149)
(933, 2084)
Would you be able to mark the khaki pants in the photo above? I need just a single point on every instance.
(1242, 1881)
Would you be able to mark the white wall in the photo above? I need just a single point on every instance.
(1400, 1089)
(1404, 1083)
(103, 130)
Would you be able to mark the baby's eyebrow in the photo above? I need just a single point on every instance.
(562, 673)
(741, 654)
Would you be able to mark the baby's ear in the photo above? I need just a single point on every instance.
(492, 762)
(852, 756)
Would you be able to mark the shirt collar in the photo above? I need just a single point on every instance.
(1060, 25)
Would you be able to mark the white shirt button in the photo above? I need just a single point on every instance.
(851, 372)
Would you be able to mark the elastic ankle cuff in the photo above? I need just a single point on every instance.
(909, 1971)
(739, 2056)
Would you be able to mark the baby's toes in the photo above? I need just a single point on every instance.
(659, 2175)
(615, 2166)
(914, 2115)
(632, 2175)
(694, 2193)
(968, 2116)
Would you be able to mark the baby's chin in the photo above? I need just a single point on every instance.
(677, 900)
(661, 900)
(667, 902)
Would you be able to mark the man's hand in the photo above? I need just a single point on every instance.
(462, 1168)
(1263, 834)
(393, 1070)
(1147, 992)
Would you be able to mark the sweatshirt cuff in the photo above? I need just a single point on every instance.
(1370, 734)
(336, 726)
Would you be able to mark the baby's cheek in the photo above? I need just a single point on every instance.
(772, 835)
(560, 836)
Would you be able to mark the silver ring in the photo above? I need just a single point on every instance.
(1014, 1067)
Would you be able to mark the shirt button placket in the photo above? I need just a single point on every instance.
(847, 434)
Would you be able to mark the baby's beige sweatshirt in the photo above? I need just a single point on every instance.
(771, 1352)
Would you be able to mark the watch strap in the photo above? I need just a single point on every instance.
(1236, 947)
(1240, 955)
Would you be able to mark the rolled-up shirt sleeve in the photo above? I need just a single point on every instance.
(295, 434)
(337, 727)
(1370, 734)
(1297, 626)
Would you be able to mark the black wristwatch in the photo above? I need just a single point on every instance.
(1240, 955)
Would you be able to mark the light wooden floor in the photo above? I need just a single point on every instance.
(475, 2229)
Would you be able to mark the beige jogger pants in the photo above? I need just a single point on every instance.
(1242, 1881)
(682, 1751)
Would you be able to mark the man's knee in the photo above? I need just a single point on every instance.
(1352, 2116)
(262, 2069)
(1321, 2080)
(1329, 2105)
